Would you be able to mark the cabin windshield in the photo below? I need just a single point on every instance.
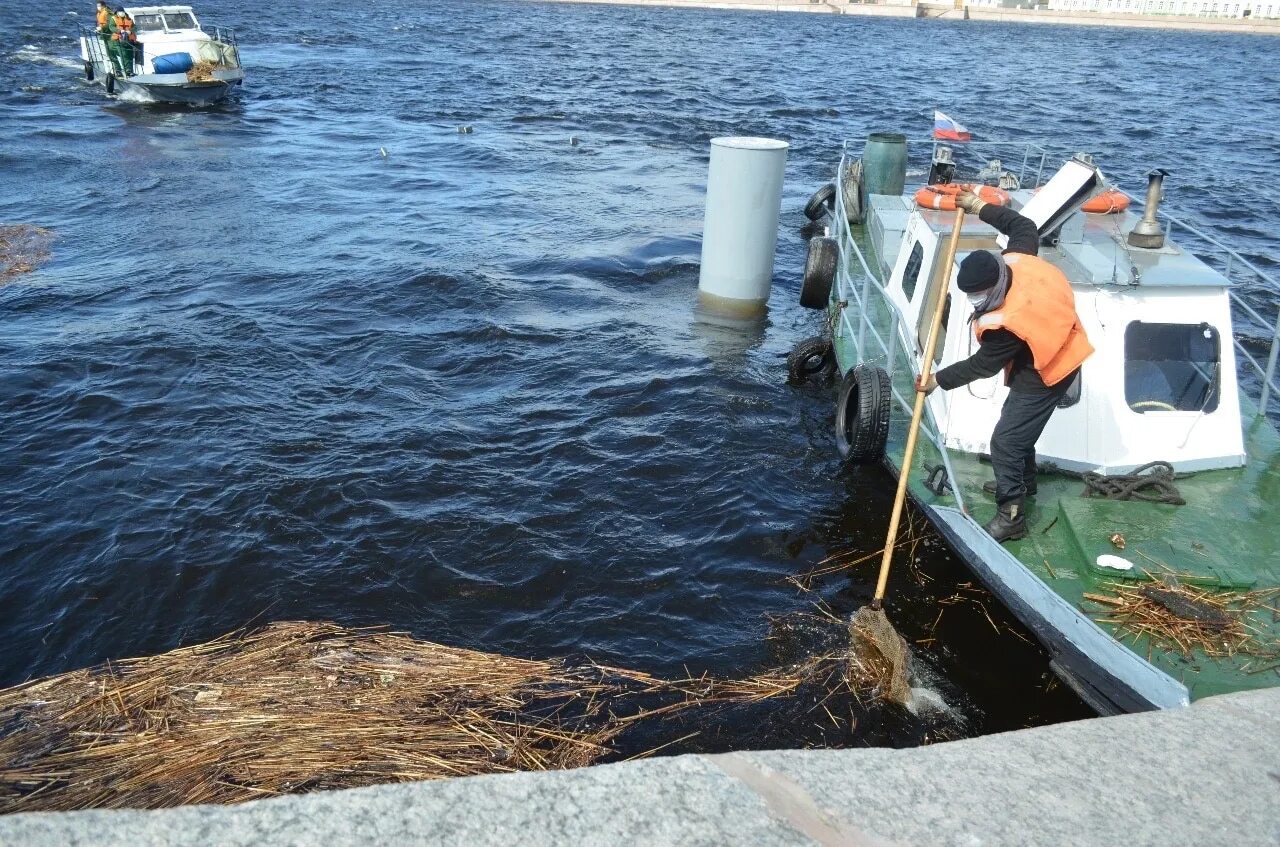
(1171, 367)
(179, 20)
(148, 23)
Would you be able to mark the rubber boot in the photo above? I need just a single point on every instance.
(1010, 522)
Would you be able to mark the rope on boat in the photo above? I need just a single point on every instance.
(1153, 482)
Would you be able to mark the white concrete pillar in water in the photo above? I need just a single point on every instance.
(740, 230)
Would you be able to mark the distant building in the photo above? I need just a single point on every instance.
(1189, 8)
(1193, 8)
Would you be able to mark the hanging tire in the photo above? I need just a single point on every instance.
(819, 272)
(811, 359)
(821, 202)
(111, 83)
(88, 71)
(851, 193)
(862, 414)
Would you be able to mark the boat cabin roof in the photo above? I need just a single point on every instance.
(158, 10)
(1089, 248)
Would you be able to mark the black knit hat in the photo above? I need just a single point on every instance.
(979, 271)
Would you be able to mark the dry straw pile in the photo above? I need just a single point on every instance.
(1173, 615)
(298, 706)
(202, 71)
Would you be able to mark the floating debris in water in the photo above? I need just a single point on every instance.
(301, 706)
(23, 248)
(465, 130)
(383, 151)
(573, 141)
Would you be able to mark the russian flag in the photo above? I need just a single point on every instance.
(948, 129)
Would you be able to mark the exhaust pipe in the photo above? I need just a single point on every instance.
(1148, 234)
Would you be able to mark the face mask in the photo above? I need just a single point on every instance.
(976, 297)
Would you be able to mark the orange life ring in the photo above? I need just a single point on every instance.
(943, 197)
(1109, 202)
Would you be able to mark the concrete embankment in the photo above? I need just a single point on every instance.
(947, 11)
(1209, 774)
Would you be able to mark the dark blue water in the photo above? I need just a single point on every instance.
(461, 389)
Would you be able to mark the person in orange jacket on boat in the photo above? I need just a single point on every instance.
(105, 22)
(103, 17)
(1026, 324)
(125, 42)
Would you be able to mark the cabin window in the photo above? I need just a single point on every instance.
(179, 20)
(912, 272)
(1171, 367)
(148, 23)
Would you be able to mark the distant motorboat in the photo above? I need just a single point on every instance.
(174, 59)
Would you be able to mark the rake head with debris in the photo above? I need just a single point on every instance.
(880, 660)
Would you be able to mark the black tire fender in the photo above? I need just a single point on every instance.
(862, 414)
(88, 71)
(851, 193)
(821, 202)
(111, 83)
(813, 358)
(819, 272)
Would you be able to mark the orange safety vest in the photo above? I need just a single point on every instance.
(124, 31)
(1041, 310)
(104, 15)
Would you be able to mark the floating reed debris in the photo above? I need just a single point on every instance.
(917, 530)
(299, 706)
(1173, 615)
(23, 248)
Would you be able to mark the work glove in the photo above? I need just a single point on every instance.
(932, 383)
(970, 202)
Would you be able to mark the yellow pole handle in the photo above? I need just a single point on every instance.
(918, 412)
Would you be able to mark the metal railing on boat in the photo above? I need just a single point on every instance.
(1034, 156)
(899, 335)
(1213, 251)
(1232, 265)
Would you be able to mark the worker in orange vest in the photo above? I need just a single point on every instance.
(105, 22)
(1026, 324)
(104, 16)
(125, 41)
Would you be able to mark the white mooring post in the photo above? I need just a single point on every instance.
(740, 230)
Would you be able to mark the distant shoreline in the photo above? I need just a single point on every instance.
(1247, 26)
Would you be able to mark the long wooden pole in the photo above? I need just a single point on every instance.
(926, 367)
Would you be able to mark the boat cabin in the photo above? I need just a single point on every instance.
(1161, 384)
(165, 30)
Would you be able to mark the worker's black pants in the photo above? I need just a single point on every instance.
(1013, 442)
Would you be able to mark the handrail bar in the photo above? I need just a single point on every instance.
(1028, 149)
(932, 431)
(1234, 258)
